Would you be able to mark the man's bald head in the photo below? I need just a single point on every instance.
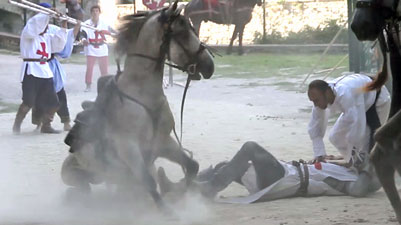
(319, 93)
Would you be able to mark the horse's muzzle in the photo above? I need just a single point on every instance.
(205, 65)
(367, 23)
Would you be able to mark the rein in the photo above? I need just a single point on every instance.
(190, 68)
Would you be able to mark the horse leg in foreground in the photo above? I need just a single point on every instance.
(388, 132)
(386, 157)
(172, 152)
(385, 171)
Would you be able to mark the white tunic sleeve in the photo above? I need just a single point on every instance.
(316, 129)
(353, 119)
(58, 40)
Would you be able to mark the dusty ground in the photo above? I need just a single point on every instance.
(220, 115)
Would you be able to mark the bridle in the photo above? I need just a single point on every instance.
(191, 67)
(391, 20)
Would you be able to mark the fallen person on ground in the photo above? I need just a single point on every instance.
(267, 178)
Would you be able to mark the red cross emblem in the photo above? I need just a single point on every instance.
(43, 53)
(97, 41)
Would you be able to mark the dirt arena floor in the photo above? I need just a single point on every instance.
(220, 115)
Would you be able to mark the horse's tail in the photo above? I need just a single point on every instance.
(378, 81)
(382, 76)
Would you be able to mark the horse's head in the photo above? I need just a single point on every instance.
(185, 48)
(167, 34)
(370, 17)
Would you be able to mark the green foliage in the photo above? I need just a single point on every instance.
(267, 65)
(308, 35)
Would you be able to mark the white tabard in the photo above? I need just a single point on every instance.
(36, 46)
(290, 183)
(350, 130)
(97, 39)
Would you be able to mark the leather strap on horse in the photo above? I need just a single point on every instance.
(303, 178)
(373, 120)
(123, 95)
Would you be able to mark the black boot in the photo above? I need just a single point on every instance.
(21, 113)
(46, 124)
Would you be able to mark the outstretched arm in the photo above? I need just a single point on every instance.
(317, 129)
(71, 35)
(59, 39)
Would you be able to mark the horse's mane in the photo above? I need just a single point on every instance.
(129, 30)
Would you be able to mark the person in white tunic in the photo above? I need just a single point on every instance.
(266, 178)
(59, 77)
(36, 76)
(361, 113)
(95, 45)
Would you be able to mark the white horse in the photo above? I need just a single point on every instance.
(135, 118)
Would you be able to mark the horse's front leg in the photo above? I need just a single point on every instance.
(131, 155)
(230, 46)
(240, 35)
(171, 150)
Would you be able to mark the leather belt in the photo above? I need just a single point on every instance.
(96, 44)
(303, 178)
(36, 60)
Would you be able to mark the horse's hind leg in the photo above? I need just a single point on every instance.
(172, 152)
(385, 173)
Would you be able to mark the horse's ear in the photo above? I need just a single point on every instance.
(172, 9)
(175, 4)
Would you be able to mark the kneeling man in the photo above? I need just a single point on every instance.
(360, 114)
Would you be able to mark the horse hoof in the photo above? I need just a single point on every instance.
(192, 170)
